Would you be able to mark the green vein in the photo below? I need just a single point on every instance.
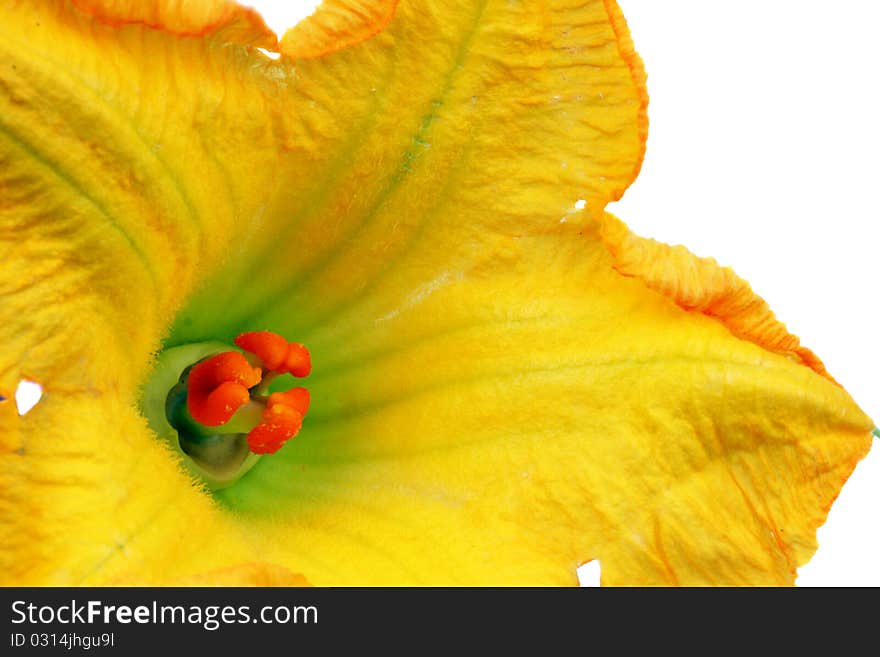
(390, 264)
(80, 83)
(338, 166)
(71, 182)
(407, 161)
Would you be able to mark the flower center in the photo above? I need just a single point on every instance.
(213, 404)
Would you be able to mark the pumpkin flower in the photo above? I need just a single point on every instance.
(356, 315)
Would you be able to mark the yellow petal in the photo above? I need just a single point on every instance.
(191, 18)
(491, 115)
(103, 146)
(100, 237)
(700, 284)
(525, 408)
(91, 497)
(521, 109)
(249, 574)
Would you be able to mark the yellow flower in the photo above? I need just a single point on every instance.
(505, 385)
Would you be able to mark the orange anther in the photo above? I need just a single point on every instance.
(218, 386)
(280, 423)
(295, 398)
(282, 420)
(298, 361)
(270, 347)
(277, 354)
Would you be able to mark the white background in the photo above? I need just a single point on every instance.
(763, 153)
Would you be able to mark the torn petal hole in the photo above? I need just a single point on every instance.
(590, 573)
(27, 395)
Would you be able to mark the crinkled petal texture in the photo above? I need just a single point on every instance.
(503, 387)
(510, 415)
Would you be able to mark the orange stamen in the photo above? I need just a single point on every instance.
(282, 420)
(280, 424)
(269, 347)
(298, 361)
(295, 398)
(218, 386)
(276, 354)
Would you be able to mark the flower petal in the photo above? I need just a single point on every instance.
(91, 497)
(490, 115)
(249, 574)
(700, 284)
(238, 24)
(99, 240)
(519, 407)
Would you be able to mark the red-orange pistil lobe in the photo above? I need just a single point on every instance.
(218, 386)
(280, 423)
(276, 353)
